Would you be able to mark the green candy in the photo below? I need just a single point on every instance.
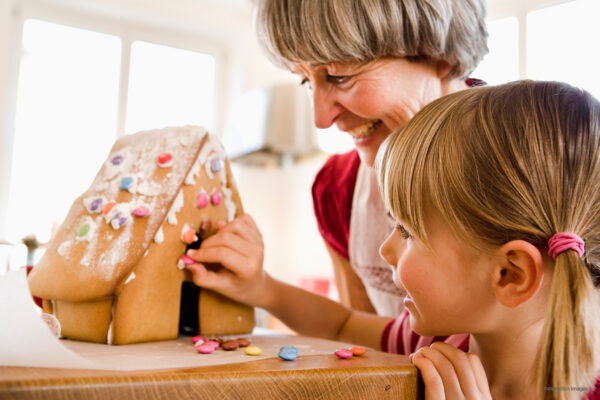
(83, 230)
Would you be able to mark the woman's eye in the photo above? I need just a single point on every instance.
(338, 80)
(405, 234)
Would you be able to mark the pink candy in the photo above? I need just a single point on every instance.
(196, 339)
(207, 347)
(216, 198)
(202, 200)
(141, 211)
(344, 353)
(186, 260)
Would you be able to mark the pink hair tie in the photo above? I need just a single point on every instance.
(563, 241)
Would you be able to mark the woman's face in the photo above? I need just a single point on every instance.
(369, 101)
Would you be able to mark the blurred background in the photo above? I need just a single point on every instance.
(77, 74)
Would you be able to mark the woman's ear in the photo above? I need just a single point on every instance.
(518, 275)
(443, 68)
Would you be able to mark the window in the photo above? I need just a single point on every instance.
(71, 106)
(501, 64)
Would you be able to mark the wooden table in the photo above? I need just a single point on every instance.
(376, 375)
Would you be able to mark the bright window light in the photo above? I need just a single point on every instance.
(66, 119)
(501, 64)
(169, 86)
(560, 44)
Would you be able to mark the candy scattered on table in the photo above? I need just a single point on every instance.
(205, 348)
(243, 342)
(343, 353)
(229, 345)
(288, 353)
(358, 351)
(253, 351)
(196, 339)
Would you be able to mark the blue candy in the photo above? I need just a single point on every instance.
(126, 182)
(288, 355)
(289, 348)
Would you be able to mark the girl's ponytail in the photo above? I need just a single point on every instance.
(568, 355)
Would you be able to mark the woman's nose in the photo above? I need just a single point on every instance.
(326, 107)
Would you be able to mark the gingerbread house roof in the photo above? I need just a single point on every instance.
(110, 226)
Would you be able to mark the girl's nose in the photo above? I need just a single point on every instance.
(387, 250)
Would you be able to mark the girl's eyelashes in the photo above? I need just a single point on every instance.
(402, 230)
(304, 81)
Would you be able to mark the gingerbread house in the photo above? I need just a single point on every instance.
(114, 272)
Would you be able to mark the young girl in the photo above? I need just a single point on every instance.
(495, 191)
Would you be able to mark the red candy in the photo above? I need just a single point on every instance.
(164, 158)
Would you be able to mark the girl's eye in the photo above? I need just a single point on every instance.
(405, 234)
(303, 81)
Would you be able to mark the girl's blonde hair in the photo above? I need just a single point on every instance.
(516, 161)
(327, 31)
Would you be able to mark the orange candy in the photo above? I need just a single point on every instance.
(358, 351)
(189, 236)
(107, 207)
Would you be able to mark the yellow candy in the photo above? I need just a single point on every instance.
(253, 351)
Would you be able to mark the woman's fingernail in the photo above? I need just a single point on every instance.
(191, 252)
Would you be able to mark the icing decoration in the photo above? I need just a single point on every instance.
(216, 164)
(202, 200)
(117, 160)
(160, 236)
(216, 198)
(188, 235)
(107, 207)
(221, 224)
(141, 211)
(164, 160)
(94, 204)
(126, 182)
(64, 248)
(130, 278)
(177, 205)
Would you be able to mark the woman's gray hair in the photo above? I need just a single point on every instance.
(326, 31)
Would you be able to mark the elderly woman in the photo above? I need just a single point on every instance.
(370, 65)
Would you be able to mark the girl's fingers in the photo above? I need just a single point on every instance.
(235, 262)
(444, 369)
(208, 279)
(434, 386)
(480, 377)
(462, 368)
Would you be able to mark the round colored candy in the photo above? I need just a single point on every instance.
(289, 348)
(186, 260)
(288, 355)
(343, 353)
(126, 182)
(83, 230)
(197, 339)
(202, 200)
(141, 211)
(96, 205)
(358, 351)
(216, 164)
(205, 348)
(107, 207)
(216, 198)
(116, 160)
(253, 351)
(230, 345)
(189, 236)
(243, 342)
(221, 224)
(164, 159)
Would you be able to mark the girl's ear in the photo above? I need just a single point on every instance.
(518, 275)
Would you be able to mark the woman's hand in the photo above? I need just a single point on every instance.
(449, 373)
(238, 246)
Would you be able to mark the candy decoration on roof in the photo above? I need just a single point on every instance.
(202, 200)
(164, 160)
(126, 183)
(83, 230)
(188, 235)
(141, 211)
(94, 204)
(216, 164)
(117, 160)
(107, 207)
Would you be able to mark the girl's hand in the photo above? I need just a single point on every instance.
(449, 373)
(238, 247)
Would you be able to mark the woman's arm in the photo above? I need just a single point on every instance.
(351, 290)
(239, 248)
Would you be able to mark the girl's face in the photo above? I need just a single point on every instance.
(448, 285)
(368, 101)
